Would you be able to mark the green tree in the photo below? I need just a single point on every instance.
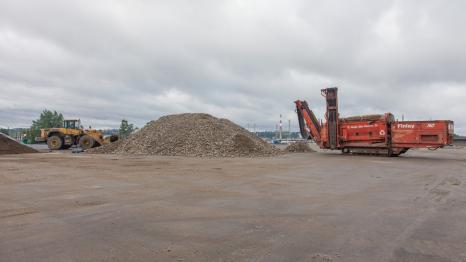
(47, 119)
(125, 129)
(4, 131)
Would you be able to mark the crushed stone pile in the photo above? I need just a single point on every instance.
(194, 135)
(299, 147)
(10, 146)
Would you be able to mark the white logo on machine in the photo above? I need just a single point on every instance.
(363, 126)
(407, 126)
(431, 125)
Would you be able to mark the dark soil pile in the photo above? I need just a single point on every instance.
(10, 146)
(299, 147)
(196, 135)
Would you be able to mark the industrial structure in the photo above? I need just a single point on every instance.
(370, 134)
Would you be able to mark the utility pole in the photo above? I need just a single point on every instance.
(289, 128)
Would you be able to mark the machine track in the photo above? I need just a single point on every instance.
(391, 152)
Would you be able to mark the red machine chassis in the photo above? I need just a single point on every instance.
(370, 134)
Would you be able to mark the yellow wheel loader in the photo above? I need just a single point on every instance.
(72, 133)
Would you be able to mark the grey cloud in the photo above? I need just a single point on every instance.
(244, 60)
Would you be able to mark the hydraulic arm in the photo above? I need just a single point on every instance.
(308, 124)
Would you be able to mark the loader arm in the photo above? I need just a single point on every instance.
(307, 119)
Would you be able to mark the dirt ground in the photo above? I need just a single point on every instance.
(293, 207)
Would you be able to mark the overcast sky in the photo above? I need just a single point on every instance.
(243, 60)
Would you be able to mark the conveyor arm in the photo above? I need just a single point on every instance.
(307, 118)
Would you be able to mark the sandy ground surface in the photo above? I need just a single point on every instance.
(294, 207)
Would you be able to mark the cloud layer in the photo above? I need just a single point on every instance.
(245, 60)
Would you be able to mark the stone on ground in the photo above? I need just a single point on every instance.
(299, 147)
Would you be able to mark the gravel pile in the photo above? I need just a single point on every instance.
(299, 147)
(195, 135)
(10, 146)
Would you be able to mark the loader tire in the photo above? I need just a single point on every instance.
(113, 138)
(86, 142)
(55, 142)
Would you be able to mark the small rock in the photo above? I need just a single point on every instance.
(299, 147)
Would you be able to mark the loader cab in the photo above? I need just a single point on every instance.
(72, 123)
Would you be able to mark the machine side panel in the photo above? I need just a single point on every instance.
(368, 132)
(435, 133)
